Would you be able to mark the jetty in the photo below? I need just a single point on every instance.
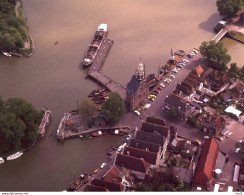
(95, 74)
(62, 125)
(45, 121)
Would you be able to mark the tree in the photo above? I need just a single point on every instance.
(230, 7)
(167, 188)
(19, 121)
(192, 120)
(113, 108)
(215, 54)
(233, 71)
(87, 109)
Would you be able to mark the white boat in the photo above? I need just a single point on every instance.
(7, 54)
(15, 155)
(103, 27)
(1, 160)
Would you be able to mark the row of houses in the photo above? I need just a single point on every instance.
(142, 155)
(199, 87)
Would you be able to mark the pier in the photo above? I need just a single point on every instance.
(45, 121)
(95, 74)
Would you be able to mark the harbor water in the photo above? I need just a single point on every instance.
(52, 76)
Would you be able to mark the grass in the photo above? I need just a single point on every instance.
(237, 35)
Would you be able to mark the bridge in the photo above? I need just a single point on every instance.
(95, 74)
(220, 35)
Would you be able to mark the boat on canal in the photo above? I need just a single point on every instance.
(7, 54)
(99, 133)
(15, 155)
(78, 182)
(1, 160)
(92, 50)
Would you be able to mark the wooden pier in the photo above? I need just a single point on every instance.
(95, 74)
(61, 127)
(45, 121)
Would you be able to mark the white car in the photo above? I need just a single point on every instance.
(172, 76)
(229, 134)
(128, 137)
(206, 137)
(102, 165)
(147, 106)
(237, 150)
(162, 85)
(185, 60)
(137, 112)
(180, 66)
(174, 70)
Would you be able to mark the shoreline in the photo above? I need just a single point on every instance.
(31, 40)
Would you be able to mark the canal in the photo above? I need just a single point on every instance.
(51, 76)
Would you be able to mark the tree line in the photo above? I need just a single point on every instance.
(13, 30)
(19, 122)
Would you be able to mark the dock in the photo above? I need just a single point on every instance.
(95, 74)
(45, 121)
(62, 125)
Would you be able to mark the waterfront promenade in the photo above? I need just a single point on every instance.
(95, 74)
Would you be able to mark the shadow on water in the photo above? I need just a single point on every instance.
(210, 23)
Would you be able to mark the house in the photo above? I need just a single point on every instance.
(213, 125)
(118, 175)
(155, 120)
(173, 101)
(137, 166)
(206, 163)
(184, 147)
(137, 89)
(144, 145)
(237, 90)
(155, 139)
(102, 185)
(150, 157)
(217, 80)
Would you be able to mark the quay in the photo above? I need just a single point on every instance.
(45, 121)
(95, 74)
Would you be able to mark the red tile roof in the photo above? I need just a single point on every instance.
(148, 156)
(199, 70)
(111, 186)
(206, 163)
(132, 163)
(113, 174)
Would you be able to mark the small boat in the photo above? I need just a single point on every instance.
(50, 133)
(78, 182)
(1, 160)
(56, 43)
(7, 54)
(99, 133)
(116, 132)
(15, 155)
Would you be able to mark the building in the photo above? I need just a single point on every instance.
(183, 108)
(213, 125)
(137, 90)
(203, 177)
(106, 186)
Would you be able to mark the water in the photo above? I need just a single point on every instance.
(140, 29)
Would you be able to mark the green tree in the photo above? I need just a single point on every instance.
(113, 108)
(87, 109)
(167, 188)
(233, 71)
(229, 7)
(29, 115)
(215, 54)
(192, 120)
(174, 161)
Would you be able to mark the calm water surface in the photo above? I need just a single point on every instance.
(140, 29)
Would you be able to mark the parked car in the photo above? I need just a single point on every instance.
(172, 76)
(185, 60)
(206, 137)
(220, 138)
(147, 106)
(152, 99)
(156, 91)
(128, 137)
(95, 171)
(153, 96)
(162, 85)
(237, 150)
(180, 66)
(174, 70)
(159, 88)
(103, 165)
(137, 112)
(198, 142)
(229, 134)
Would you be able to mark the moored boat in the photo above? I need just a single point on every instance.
(95, 45)
(99, 133)
(78, 182)
(15, 155)
(116, 132)
(7, 54)
(1, 160)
